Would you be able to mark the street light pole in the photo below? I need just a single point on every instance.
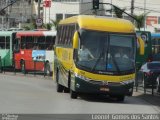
(39, 2)
(144, 14)
(111, 10)
(132, 7)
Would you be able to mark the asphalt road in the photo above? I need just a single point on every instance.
(37, 95)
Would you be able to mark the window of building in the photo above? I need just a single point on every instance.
(59, 17)
(69, 15)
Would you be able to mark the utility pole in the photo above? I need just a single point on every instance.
(144, 14)
(132, 7)
(39, 3)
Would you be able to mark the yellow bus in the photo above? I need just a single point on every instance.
(88, 56)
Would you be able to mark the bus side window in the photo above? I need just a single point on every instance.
(2, 42)
(66, 35)
(7, 42)
(23, 42)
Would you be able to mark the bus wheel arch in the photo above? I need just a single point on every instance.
(73, 94)
(60, 88)
(67, 89)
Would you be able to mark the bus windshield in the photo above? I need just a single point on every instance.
(104, 52)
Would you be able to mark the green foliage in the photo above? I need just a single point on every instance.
(118, 12)
(140, 20)
(55, 23)
(50, 25)
(32, 25)
(47, 26)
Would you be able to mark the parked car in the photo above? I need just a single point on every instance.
(151, 74)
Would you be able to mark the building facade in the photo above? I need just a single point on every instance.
(18, 13)
(61, 9)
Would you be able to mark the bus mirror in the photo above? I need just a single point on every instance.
(75, 40)
(141, 46)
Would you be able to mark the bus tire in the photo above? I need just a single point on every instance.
(73, 94)
(60, 88)
(66, 90)
(23, 70)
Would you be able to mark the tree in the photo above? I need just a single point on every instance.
(140, 19)
(118, 12)
(55, 23)
(48, 26)
(32, 25)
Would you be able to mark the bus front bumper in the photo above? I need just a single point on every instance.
(101, 87)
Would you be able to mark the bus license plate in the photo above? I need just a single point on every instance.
(104, 89)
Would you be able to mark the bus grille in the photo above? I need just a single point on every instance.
(103, 82)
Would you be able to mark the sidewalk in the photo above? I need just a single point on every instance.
(148, 97)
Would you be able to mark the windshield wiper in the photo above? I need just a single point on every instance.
(98, 60)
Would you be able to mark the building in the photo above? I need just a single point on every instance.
(61, 9)
(19, 13)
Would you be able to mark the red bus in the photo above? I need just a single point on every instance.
(33, 50)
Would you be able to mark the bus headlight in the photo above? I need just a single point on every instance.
(81, 77)
(127, 81)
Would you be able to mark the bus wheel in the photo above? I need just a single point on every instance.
(60, 88)
(73, 94)
(66, 90)
(47, 69)
(23, 70)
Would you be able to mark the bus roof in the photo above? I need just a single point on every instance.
(6, 33)
(155, 35)
(36, 33)
(101, 23)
